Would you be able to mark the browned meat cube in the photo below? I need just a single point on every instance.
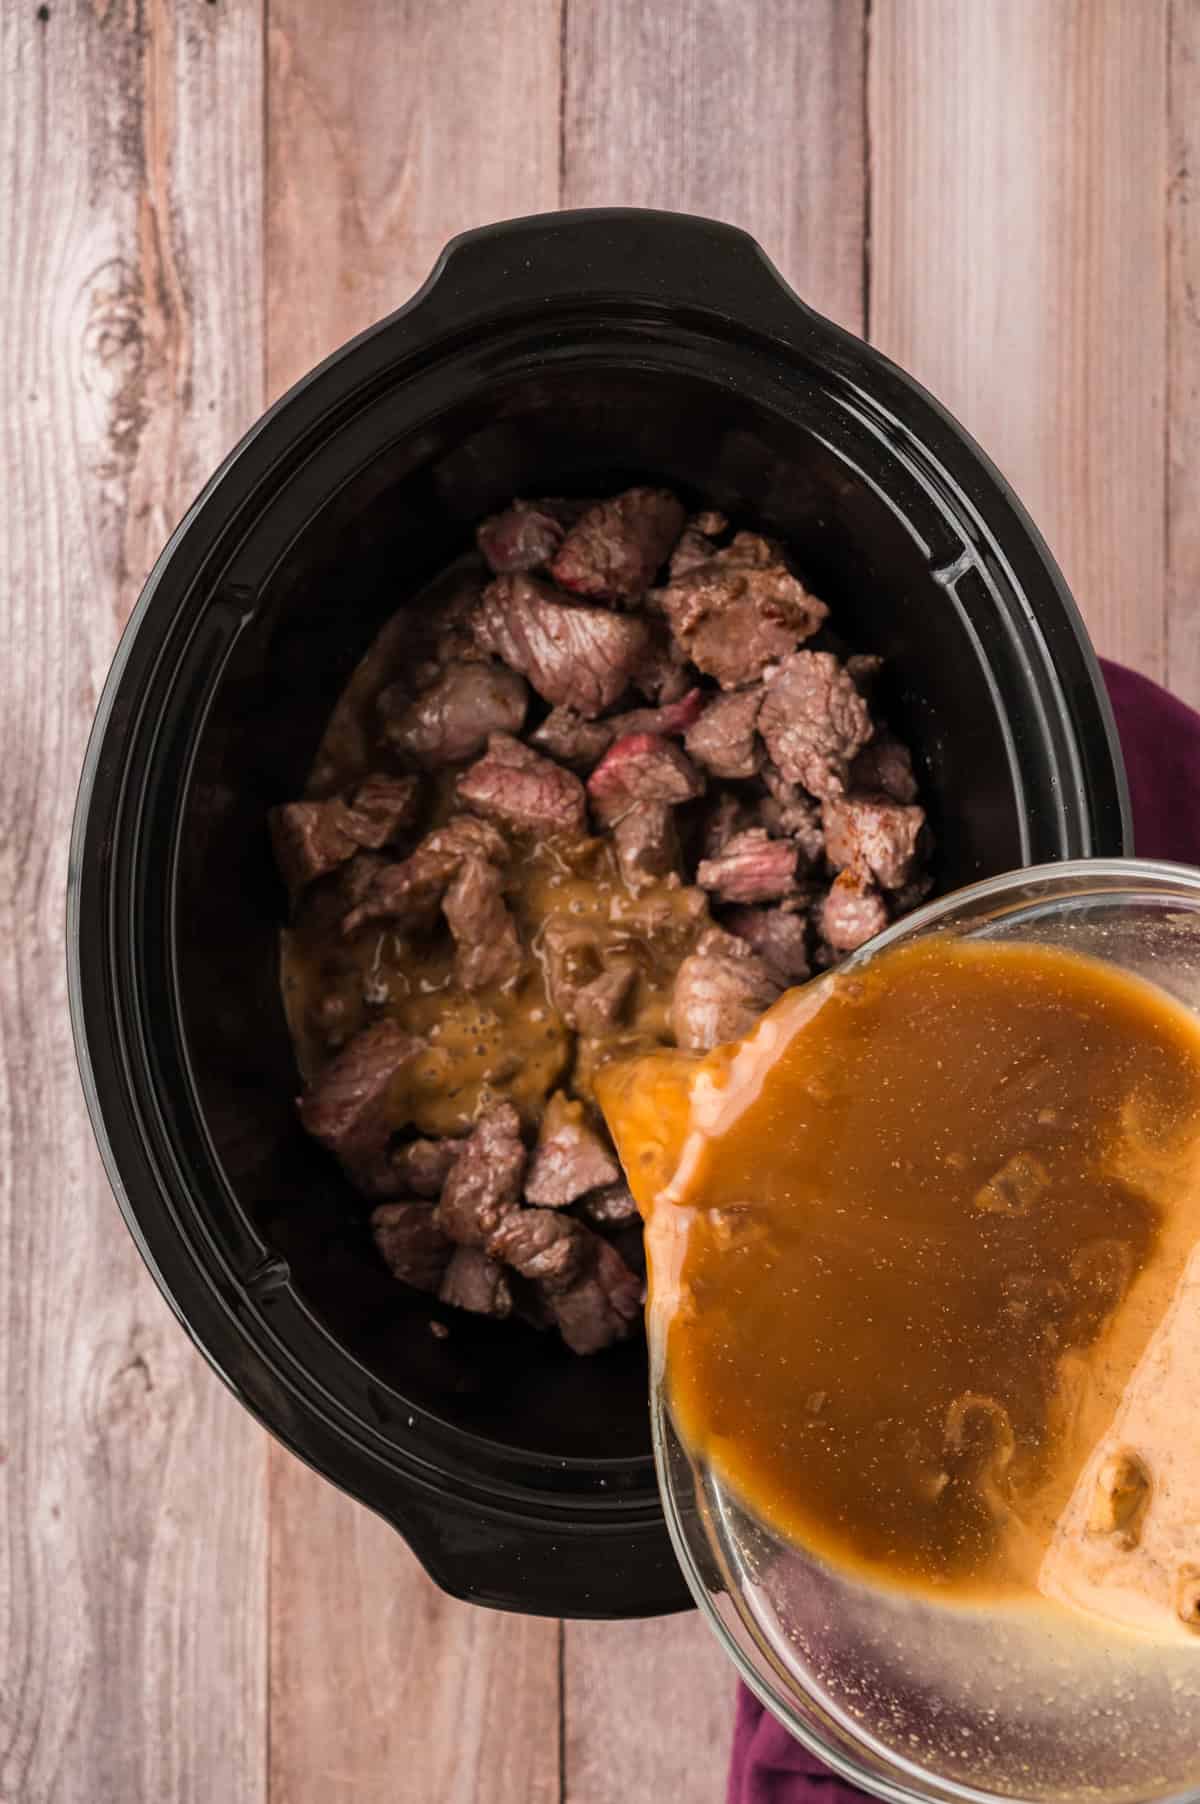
(614, 551)
(602, 1307)
(487, 946)
(452, 718)
(524, 536)
(599, 1005)
(885, 765)
(549, 1249)
(647, 844)
(571, 739)
(663, 673)
(642, 767)
(696, 545)
(720, 991)
(871, 834)
(789, 813)
(814, 722)
(570, 1157)
(728, 815)
(725, 739)
(516, 786)
(575, 657)
(611, 1207)
(752, 868)
(475, 1282)
(853, 912)
(312, 838)
(778, 935)
(410, 892)
(411, 1244)
(573, 958)
(348, 1107)
(740, 611)
(422, 1166)
(668, 718)
(484, 1185)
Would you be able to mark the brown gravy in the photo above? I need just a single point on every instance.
(908, 1241)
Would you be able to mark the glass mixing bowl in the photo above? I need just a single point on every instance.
(913, 1699)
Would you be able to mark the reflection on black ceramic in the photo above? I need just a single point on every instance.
(578, 352)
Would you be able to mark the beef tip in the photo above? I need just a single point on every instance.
(724, 738)
(515, 785)
(740, 611)
(789, 813)
(524, 536)
(570, 1158)
(452, 718)
(313, 838)
(551, 1250)
(647, 845)
(611, 1207)
(348, 1107)
(572, 959)
(576, 657)
(778, 935)
(641, 767)
(728, 815)
(410, 892)
(710, 521)
(669, 717)
(873, 835)
(484, 1185)
(662, 673)
(853, 912)
(487, 946)
(599, 1005)
(885, 765)
(602, 1307)
(720, 991)
(571, 739)
(411, 1244)
(475, 1282)
(613, 552)
(422, 1166)
(814, 721)
(696, 545)
(753, 867)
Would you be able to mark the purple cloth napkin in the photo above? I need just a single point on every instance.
(1160, 738)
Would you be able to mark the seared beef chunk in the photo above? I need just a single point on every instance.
(488, 948)
(669, 717)
(524, 536)
(853, 912)
(575, 657)
(720, 991)
(411, 1244)
(729, 814)
(611, 1207)
(740, 611)
(547, 1248)
(410, 893)
(647, 844)
(572, 961)
(788, 812)
(663, 673)
(814, 721)
(571, 739)
(872, 834)
(475, 1282)
(422, 1166)
(452, 718)
(600, 1005)
(311, 838)
(570, 1158)
(885, 765)
(593, 1296)
(778, 935)
(724, 739)
(347, 1107)
(484, 1185)
(514, 785)
(641, 767)
(752, 868)
(613, 552)
(697, 543)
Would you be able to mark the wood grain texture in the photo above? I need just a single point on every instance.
(394, 124)
(390, 127)
(1018, 233)
(1183, 346)
(133, 1552)
(752, 114)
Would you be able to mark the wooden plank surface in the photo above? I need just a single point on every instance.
(1018, 230)
(390, 127)
(132, 1563)
(1183, 355)
(755, 115)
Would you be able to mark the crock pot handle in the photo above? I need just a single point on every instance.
(630, 255)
